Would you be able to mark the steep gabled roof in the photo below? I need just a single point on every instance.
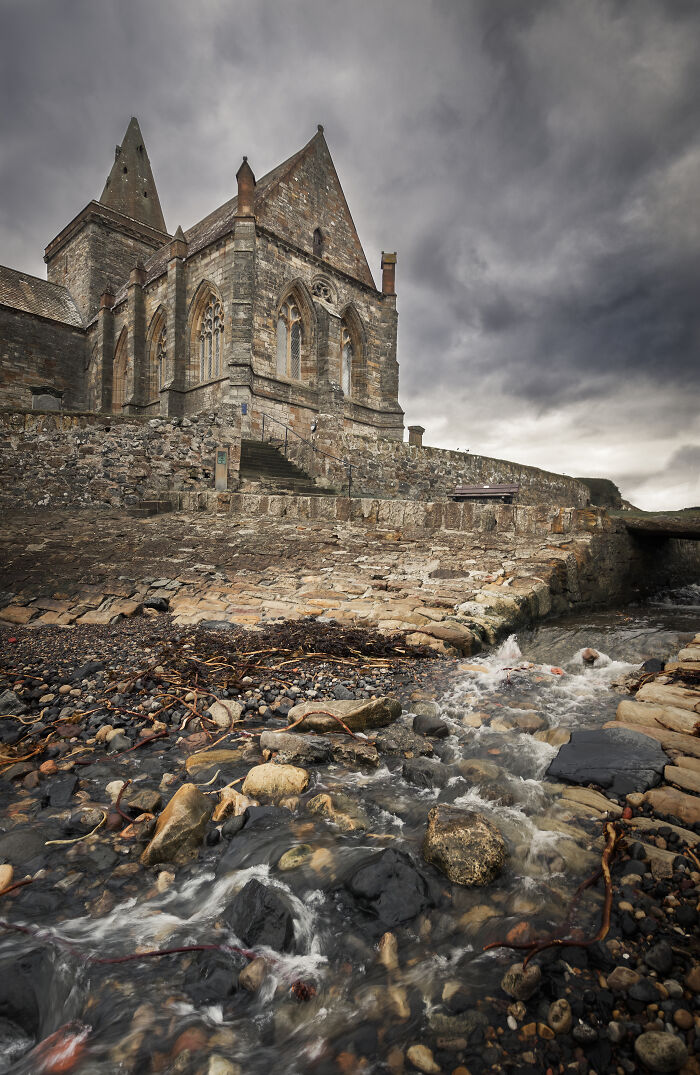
(220, 222)
(130, 186)
(31, 295)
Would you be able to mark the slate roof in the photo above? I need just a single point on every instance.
(130, 186)
(215, 225)
(30, 294)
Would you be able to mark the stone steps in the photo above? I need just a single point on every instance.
(145, 508)
(265, 464)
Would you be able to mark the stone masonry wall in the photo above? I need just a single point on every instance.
(35, 350)
(392, 469)
(80, 460)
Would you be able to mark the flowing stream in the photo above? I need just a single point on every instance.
(491, 762)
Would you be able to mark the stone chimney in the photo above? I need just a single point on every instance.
(415, 436)
(246, 189)
(389, 273)
(107, 299)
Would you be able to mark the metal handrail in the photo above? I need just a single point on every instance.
(349, 467)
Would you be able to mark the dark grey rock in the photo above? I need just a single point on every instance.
(10, 704)
(614, 758)
(390, 887)
(425, 772)
(660, 957)
(61, 789)
(296, 749)
(401, 740)
(434, 727)
(259, 915)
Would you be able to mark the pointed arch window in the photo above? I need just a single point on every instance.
(210, 335)
(318, 243)
(161, 358)
(289, 341)
(119, 375)
(347, 352)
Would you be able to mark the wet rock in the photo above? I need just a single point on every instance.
(294, 748)
(388, 952)
(219, 1065)
(339, 809)
(432, 726)
(22, 846)
(232, 803)
(660, 957)
(225, 712)
(6, 875)
(692, 980)
(11, 704)
(422, 1059)
(358, 714)
(589, 655)
(390, 887)
(425, 773)
(204, 761)
(661, 1052)
(622, 979)
(464, 845)
(295, 857)
(253, 976)
(354, 753)
(146, 801)
(212, 977)
(180, 828)
(61, 789)
(401, 740)
(614, 758)
(560, 1017)
(521, 984)
(270, 782)
(259, 916)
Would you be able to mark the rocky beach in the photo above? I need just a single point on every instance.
(325, 849)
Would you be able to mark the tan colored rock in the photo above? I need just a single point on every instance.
(652, 825)
(225, 713)
(556, 737)
(253, 976)
(422, 1059)
(209, 759)
(340, 813)
(18, 614)
(670, 694)
(270, 782)
(622, 978)
(683, 778)
(419, 638)
(589, 797)
(359, 714)
(656, 716)
(6, 875)
(388, 952)
(180, 828)
(231, 804)
(677, 803)
(688, 763)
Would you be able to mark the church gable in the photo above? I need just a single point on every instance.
(305, 204)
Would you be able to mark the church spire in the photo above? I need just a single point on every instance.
(130, 186)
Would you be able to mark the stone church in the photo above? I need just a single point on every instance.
(267, 305)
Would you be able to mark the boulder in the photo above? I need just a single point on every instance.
(390, 887)
(270, 782)
(401, 740)
(668, 801)
(358, 714)
(659, 1051)
(258, 915)
(614, 758)
(292, 748)
(431, 725)
(354, 753)
(180, 828)
(464, 845)
(425, 772)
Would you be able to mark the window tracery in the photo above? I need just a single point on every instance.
(322, 291)
(289, 340)
(210, 335)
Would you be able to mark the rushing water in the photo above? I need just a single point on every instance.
(128, 1011)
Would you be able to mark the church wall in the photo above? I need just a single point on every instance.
(72, 268)
(35, 351)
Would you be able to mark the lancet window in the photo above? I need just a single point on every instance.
(119, 374)
(210, 336)
(161, 362)
(289, 341)
(347, 353)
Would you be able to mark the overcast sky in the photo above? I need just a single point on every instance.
(535, 163)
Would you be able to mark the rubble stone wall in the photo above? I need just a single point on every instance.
(387, 468)
(81, 460)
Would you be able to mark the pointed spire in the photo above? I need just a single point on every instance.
(246, 189)
(178, 244)
(130, 186)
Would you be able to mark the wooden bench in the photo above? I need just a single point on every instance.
(504, 493)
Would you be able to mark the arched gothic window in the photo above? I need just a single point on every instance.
(210, 334)
(346, 357)
(119, 374)
(289, 340)
(161, 357)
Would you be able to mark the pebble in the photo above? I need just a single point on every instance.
(519, 983)
(661, 1051)
(422, 1059)
(560, 1017)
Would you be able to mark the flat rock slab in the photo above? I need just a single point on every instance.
(358, 715)
(616, 758)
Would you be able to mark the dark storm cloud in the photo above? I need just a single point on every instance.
(535, 163)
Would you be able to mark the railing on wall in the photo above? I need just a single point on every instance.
(351, 469)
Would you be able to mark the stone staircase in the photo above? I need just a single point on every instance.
(264, 464)
(146, 508)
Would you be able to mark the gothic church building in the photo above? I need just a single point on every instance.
(267, 305)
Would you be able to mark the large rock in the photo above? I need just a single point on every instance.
(661, 1052)
(401, 740)
(293, 748)
(259, 916)
(180, 828)
(464, 845)
(669, 801)
(270, 782)
(359, 714)
(390, 887)
(615, 758)
(225, 712)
